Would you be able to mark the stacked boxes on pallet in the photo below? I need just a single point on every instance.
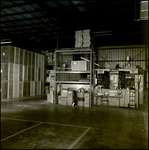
(20, 70)
(78, 37)
(86, 38)
(83, 38)
(51, 79)
(70, 97)
(86, 99)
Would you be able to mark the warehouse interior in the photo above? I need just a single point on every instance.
(74, 74)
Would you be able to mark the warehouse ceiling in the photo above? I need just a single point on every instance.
(36, 25)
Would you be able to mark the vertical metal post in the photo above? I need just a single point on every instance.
(135, 11)
(91, 78)
(58, 30)
(55, 85)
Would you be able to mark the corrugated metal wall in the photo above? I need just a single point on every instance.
(108, 57)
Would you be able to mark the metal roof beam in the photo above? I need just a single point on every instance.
(21, 13)
(31, 24)
(16, 5)
(21, 42)
(18, 20)
(14, 28)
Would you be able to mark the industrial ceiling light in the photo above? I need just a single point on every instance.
(7, 42)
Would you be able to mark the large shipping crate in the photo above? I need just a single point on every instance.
(36, 59)
(24, 88)
(25, 57)
(15, 89)
(10, 71)
(17, 55)
(39, 75)
(12, 48)
(4, 71)
(29, 58)
(25, 73)
(10, 90)
(36, 88)
(42, 87)
(39, 88)
(16, 72)
(33, 59)
(22, 56)
(39, 60)
(4, 54)
(20, 88)
(29, 73)
(28, 88)
(33, 74)
(4, 87)
(36, 74)
(21, 71)
(32, 88)
(7, 54)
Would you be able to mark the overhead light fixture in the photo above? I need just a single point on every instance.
(6, 42)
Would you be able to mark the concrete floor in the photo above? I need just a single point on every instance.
(36, 124)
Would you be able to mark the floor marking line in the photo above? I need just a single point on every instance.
(78, 139)
(20, 132)
(47, 122)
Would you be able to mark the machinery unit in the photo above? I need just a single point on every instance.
(126, 80)
(130, 81)
(114, 79)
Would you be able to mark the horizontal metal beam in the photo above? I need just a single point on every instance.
(47, 27)
(24, 19)
(15, 5)
(21, 13)
(22, 42)
(31, 24)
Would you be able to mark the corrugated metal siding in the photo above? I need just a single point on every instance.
(118, 54)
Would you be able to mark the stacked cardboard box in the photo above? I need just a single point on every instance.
(86, 99)
(4, 71)
(86, 38)
(79, 39)
(32, 88)
(10, 90)
(20, 88)
(10, 71)
(49, 97)
(20, 69)
(70, 98)
(83, 38)
(21, 56)
(36, 88)
(4, 85)
(39, 88)
(63, 98)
